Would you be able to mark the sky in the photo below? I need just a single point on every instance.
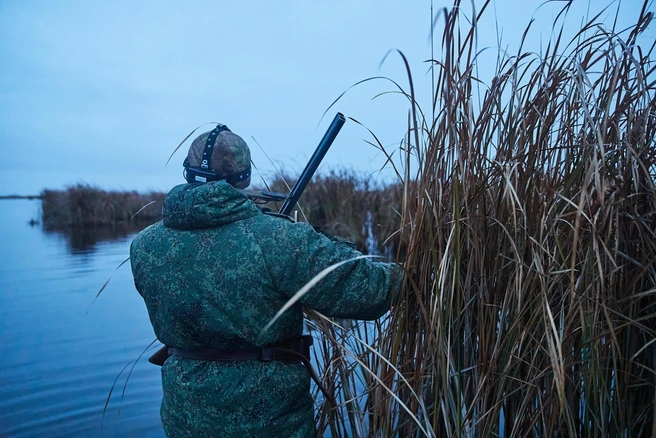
(102, 92)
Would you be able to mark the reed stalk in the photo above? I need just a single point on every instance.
(529, 304)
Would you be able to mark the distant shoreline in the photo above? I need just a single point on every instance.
(21, 197)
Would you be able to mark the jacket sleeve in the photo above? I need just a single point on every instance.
(359, 289)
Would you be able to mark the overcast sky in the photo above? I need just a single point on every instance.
(101, 92)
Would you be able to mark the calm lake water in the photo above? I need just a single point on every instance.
(61, 352)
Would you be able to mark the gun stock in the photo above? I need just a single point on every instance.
(160, 356)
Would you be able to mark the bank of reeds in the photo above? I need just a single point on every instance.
(351, 205)
(83, 205)
(340, 203)
(529, 307)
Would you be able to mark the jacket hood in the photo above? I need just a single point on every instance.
(198, 205)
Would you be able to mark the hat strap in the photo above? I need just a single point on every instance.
(209, 146)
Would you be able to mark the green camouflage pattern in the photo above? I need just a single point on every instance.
(231, 153)
(213, 273)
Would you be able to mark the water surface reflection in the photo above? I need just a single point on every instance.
(85, 239)
(60, 354)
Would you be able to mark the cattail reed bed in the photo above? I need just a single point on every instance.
(529, 304)
(340, 203)
(350, 205)
(84, 205)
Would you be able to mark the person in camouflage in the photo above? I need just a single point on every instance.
(214, 272)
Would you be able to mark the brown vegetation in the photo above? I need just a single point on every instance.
(83, 205)
(530, 302)
(347, 204)
(340, 203)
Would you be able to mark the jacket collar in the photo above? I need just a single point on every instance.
(204, 205)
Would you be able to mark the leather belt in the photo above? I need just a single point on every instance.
(290, 351)
(296, 350)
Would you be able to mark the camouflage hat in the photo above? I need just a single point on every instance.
(230, 157)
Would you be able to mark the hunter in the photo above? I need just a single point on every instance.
(214, 272)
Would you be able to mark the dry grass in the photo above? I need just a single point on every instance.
(530, 302)
(83, 205)
(348, 204)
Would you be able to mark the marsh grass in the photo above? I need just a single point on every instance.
(85, 206)
(338, 202)
(529, 305)
(350, 205)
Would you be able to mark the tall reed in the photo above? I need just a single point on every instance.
(529, 306)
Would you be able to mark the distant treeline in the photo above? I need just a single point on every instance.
(20, 197)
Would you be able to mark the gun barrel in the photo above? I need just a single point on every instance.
(312, 165)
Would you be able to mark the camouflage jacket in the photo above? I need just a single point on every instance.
(213, 273)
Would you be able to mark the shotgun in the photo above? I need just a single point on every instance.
(162, 354)
(312, 165)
